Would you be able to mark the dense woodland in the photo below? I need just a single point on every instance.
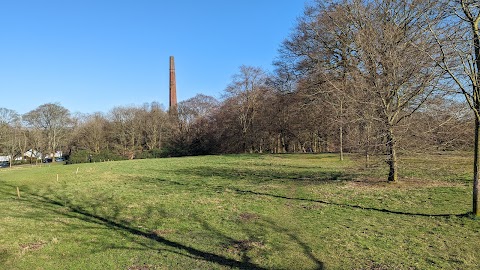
(367, 77)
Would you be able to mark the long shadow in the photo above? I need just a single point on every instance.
(264, 175)
(266, 222)
(267, 174)
(79, 213)
(226, 238)
(306, 249)
(240, 191)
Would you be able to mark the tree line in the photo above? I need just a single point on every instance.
(369, 77)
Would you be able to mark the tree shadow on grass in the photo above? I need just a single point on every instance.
(241, 191)
(75, 211)
(307, 250)
(259, 176)
(267, 174)
(244, 245)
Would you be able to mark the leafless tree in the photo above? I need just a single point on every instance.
(244, 92)
(10, 134)
(194, 108)
(194, 127)
(155, 125)
(125, 133)
(458, 37)
(53, 121)
(391, 45)
(367, 55)
(90, 133)
(443, 124)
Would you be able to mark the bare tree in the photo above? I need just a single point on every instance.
(196, 127)
(10, 134)
(458, 37)
(126, 132)
(367, 55)
(155, 125)
(443, 124)
(324, 45)
(90, 133)
(195, 108)
(244, 92)
(401, 76)
(54, 122)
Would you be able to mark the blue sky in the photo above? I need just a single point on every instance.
(92, 55)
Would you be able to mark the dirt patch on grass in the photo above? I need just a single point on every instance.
(32, 246)
(248, 217)
(243, 246)
(311, 206)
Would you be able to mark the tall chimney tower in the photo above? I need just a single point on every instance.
(173, 86)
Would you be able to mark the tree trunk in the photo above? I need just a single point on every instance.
(279, 143)
(54, 145)
(476, 42)
(244, 141)
(392, 156)
(367, 146)
(341, 131)
(341, 143)
(476, 171)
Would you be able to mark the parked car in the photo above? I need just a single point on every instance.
(59, 159)
(4, 164)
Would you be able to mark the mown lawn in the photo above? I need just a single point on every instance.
(240, 212)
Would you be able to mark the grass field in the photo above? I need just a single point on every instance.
(240, 212)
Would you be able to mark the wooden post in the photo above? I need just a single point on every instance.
(18, 192)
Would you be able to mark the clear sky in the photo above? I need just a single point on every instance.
(92, 55)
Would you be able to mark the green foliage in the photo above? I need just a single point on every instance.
(237, 212)
(153, 153)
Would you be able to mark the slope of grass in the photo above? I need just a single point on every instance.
(240, 212)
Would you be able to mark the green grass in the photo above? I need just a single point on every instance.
(239, 211)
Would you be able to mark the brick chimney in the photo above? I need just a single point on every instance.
(173, 86)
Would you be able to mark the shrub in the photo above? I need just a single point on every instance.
(84, 156)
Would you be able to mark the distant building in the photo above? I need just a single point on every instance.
(32, 154)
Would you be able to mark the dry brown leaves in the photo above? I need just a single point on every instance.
(163, 232)
(32, 246)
